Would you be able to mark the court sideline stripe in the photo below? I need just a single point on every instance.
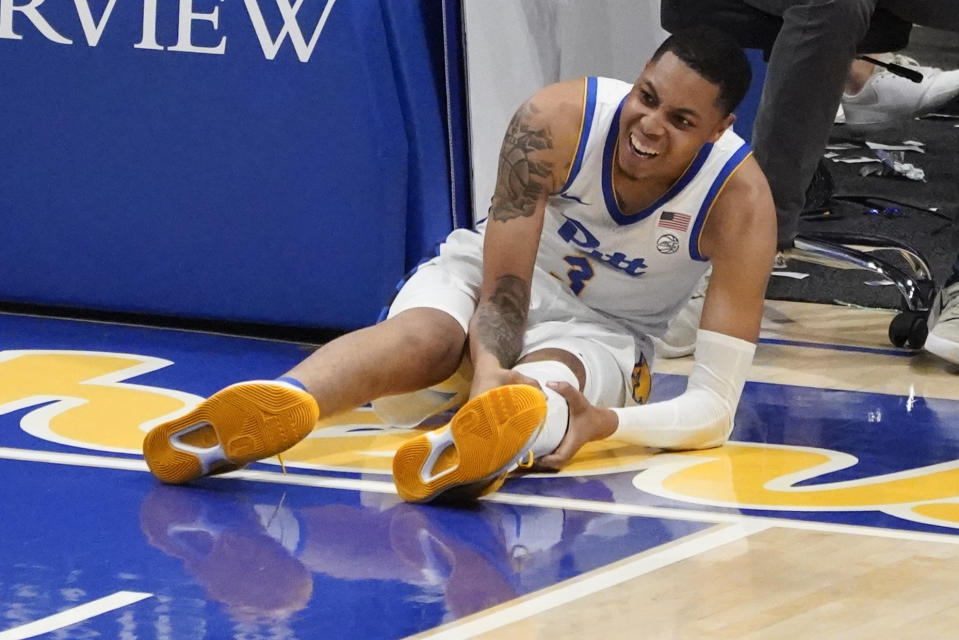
(74, 615)
(593, 582)
(888, 351)
(515, 499)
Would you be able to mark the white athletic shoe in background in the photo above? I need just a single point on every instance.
(943, 339)
(887, 97)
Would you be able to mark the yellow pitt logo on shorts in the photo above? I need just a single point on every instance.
(642, 380)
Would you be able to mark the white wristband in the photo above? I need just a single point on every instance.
(702, 416)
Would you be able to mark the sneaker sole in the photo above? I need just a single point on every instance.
(248, 421)
(491, 433)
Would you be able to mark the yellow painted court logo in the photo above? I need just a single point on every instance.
(80, 399)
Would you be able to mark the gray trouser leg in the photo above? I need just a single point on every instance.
(955, 247)
(804, 82)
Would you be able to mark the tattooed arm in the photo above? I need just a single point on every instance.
(535, 156)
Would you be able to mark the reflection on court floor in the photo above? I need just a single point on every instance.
(837, 433)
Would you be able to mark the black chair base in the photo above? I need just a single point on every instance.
(914, 282)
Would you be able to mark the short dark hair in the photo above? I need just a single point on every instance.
(715, 56)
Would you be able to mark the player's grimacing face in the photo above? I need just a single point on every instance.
(669, 114)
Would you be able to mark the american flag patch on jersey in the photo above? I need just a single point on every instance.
(674, 220)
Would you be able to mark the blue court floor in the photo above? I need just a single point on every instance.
(92, 546)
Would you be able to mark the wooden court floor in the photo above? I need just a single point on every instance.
(833, 512)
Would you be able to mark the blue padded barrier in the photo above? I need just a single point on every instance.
(211, 164)
(417, 63)
(456, 117)
(746, 111)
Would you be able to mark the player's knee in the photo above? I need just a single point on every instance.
(432, 338)
(561, 358)
(440, 353)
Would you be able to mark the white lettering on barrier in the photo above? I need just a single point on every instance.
(187, 18)
(291, 28)
(31, 12)
(93, 30)
(149, 40)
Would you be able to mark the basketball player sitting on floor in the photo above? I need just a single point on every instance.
(611, 201)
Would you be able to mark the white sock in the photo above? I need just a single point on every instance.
(557, 411)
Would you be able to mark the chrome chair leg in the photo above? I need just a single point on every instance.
(845, 251)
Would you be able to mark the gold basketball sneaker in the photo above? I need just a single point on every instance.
(471, 456)
(237, 425)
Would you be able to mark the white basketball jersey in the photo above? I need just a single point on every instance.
(639, 268)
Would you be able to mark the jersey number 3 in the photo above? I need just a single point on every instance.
(581, 272)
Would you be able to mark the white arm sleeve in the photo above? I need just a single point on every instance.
(702, 416)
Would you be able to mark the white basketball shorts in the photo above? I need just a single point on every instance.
(557, 319)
